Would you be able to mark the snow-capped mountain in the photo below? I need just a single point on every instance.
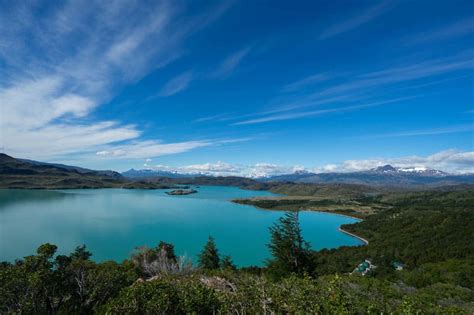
(146, 173)
(385, 169)
(383, 175)
(388, 169)
(386, 175)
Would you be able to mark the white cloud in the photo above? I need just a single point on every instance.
(353, 22)
(227, 169)
(151, 148)
(310, 80)
(425, 132)
(35, 103)
(79, 54)
(420, 70)
(176, 84)
(457, 29)
(60, 139)
(357, 88)
(304, 114)
(217, 168)
(451, 161)
(224, 70)
(229, 64)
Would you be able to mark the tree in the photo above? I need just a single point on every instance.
(227, 263)
(209, 257)
(45, 287)
(167, 250)
(47, 250)
(291, 253)
(81, 253)
(162, 259)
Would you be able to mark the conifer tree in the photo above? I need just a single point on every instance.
(228, 264)
(291, 253)
(209, 257)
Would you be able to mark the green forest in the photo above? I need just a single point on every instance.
(428, 233)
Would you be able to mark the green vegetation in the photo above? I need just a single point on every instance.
(354, 200)
(346, 207)
(290, 251)
(209, 257)
(429, 232)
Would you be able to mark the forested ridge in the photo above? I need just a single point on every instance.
(430, 233)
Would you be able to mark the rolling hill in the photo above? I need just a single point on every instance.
(19, 173)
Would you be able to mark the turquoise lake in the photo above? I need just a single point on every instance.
(112, 222)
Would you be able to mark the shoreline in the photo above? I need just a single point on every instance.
(340, 229)
(366, 242)
(335, 213)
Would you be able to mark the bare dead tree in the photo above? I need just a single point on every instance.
(161, 260)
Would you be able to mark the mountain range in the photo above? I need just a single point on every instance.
(386, 175)
(21, 173)
(381, 176)
(146, 173)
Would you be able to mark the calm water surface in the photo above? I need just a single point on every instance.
(112, 222)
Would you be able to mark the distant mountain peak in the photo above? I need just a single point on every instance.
(385, 169)
(301, 172)
(148, 172)
(423, 171)
(419, 170)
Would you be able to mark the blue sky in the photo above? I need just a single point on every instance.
(234, 87)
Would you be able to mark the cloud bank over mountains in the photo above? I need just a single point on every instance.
(449, 161)
(226, 169)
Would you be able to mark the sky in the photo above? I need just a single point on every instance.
(239, 87)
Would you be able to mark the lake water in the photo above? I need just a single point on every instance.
(112, 222)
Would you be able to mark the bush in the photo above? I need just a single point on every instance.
(165, 295)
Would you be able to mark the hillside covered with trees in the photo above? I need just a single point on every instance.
(428, 233)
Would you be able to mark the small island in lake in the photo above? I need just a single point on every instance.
(181, 192)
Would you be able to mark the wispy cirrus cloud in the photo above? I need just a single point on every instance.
(212, 118)
(79, 53)
(351, 23)
(420, 70)
(310, 80)
(176, 84)
(224, 70)
(357, 87)
(145, 148)
(423, 132)
(457, 29)
(411, 71)
(230, 63)
(295, 115)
